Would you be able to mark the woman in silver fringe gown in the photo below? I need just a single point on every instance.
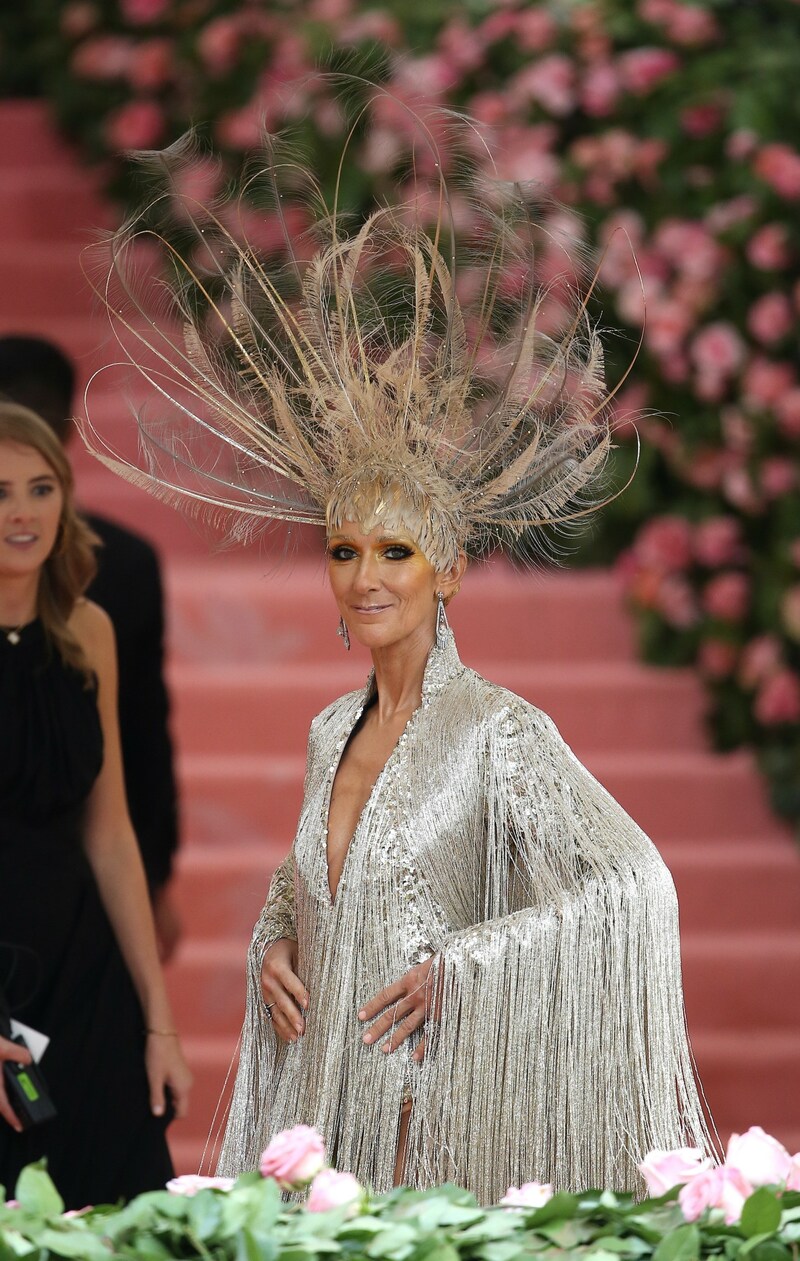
(467, 968)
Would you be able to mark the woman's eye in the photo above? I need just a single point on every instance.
(41, 491)
(341, 553)
(398, 551)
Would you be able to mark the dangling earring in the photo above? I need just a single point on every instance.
(442, 625)
(344, 633)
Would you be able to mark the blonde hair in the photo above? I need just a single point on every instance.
(71, 564)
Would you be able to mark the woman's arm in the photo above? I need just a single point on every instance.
(113, 854)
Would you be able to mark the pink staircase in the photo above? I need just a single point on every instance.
(253, 655)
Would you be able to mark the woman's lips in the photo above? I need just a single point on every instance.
(365, 610)
(21, 540)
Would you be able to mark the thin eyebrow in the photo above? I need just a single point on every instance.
(40, 477)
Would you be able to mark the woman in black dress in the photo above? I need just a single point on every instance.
(75, 920)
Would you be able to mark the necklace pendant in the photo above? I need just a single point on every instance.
(13, 637)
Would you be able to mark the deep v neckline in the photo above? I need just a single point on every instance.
(326, 813)
(443, 664)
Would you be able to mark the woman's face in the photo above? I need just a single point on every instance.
(31, 500)
(384, 586)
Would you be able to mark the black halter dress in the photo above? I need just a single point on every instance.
(60, 966)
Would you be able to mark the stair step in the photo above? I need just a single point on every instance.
(221, 891)
(598, 706)
(264, 615)
(28, 138)
(43, 203)
(683, 796)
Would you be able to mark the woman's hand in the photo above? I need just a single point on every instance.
(285, 995)
(19, 1055)
(405, 1005)
(166, 1067)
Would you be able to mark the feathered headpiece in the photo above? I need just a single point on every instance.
(395, 371)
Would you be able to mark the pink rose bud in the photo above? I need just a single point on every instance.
(191, 1183)
(529, 1195)
(331, 1189)
(293, 1157)
(721, 1188)
(664, 1170)
(759, 1157)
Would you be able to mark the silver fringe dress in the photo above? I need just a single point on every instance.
(561, 1052)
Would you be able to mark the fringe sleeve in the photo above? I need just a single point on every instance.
(259, 1049)
(561, 1051)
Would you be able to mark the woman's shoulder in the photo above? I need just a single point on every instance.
(499, 707)
(94, 631)
(341, 710)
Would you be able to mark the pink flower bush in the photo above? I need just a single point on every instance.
(778, 699)
(753, 1159)
(771, 318)
(664, 1170)
(720, 1188)
(293, 1157)
(643, 68)
(758, 1157)
(138, 125)
(727, 596)
(529, 1195)
(779, 166)
(333, 1190)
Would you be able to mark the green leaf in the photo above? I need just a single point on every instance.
(36, 1193)
(205, 1214)
(398, 1241)
(75, 1243)
(247, 1247)
(682, 1244)
(761, 1214)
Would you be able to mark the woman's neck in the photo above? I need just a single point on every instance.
(18, 599)
(399, 672)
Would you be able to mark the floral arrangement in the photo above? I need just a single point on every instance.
(750, 1205)
(668, 130)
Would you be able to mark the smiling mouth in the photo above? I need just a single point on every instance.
(371, 608)
(17, 539)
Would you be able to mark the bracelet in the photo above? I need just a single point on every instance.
(162, 1033)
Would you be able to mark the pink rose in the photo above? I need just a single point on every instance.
(718, 541)
(664, 1170)
(787, 410)
(720, 1188)
(643, 68)
(535, 29)
(332, 1190)
(726, 214)
(529, 1195)
(717, 658)
(690, 25)
(765, 380)
(718, 350)
(790, 611)
(191, 1183)
(550, 82)
(218, 45)
(293, 1157)
(78, 18)
(771, 317)
(675, 601)
(768, 248)
(104, 57)
(600, 88)
(759, 1157)
(760, 659)
(701, 120)
(741, 144)
(778, 699)
(727, 596)
(137, 125)
(241, 128)
(142, 12)
(666, 325)
(779, 166)
(690, 248)
(152, 65)
(665, 543)
(778, 476)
